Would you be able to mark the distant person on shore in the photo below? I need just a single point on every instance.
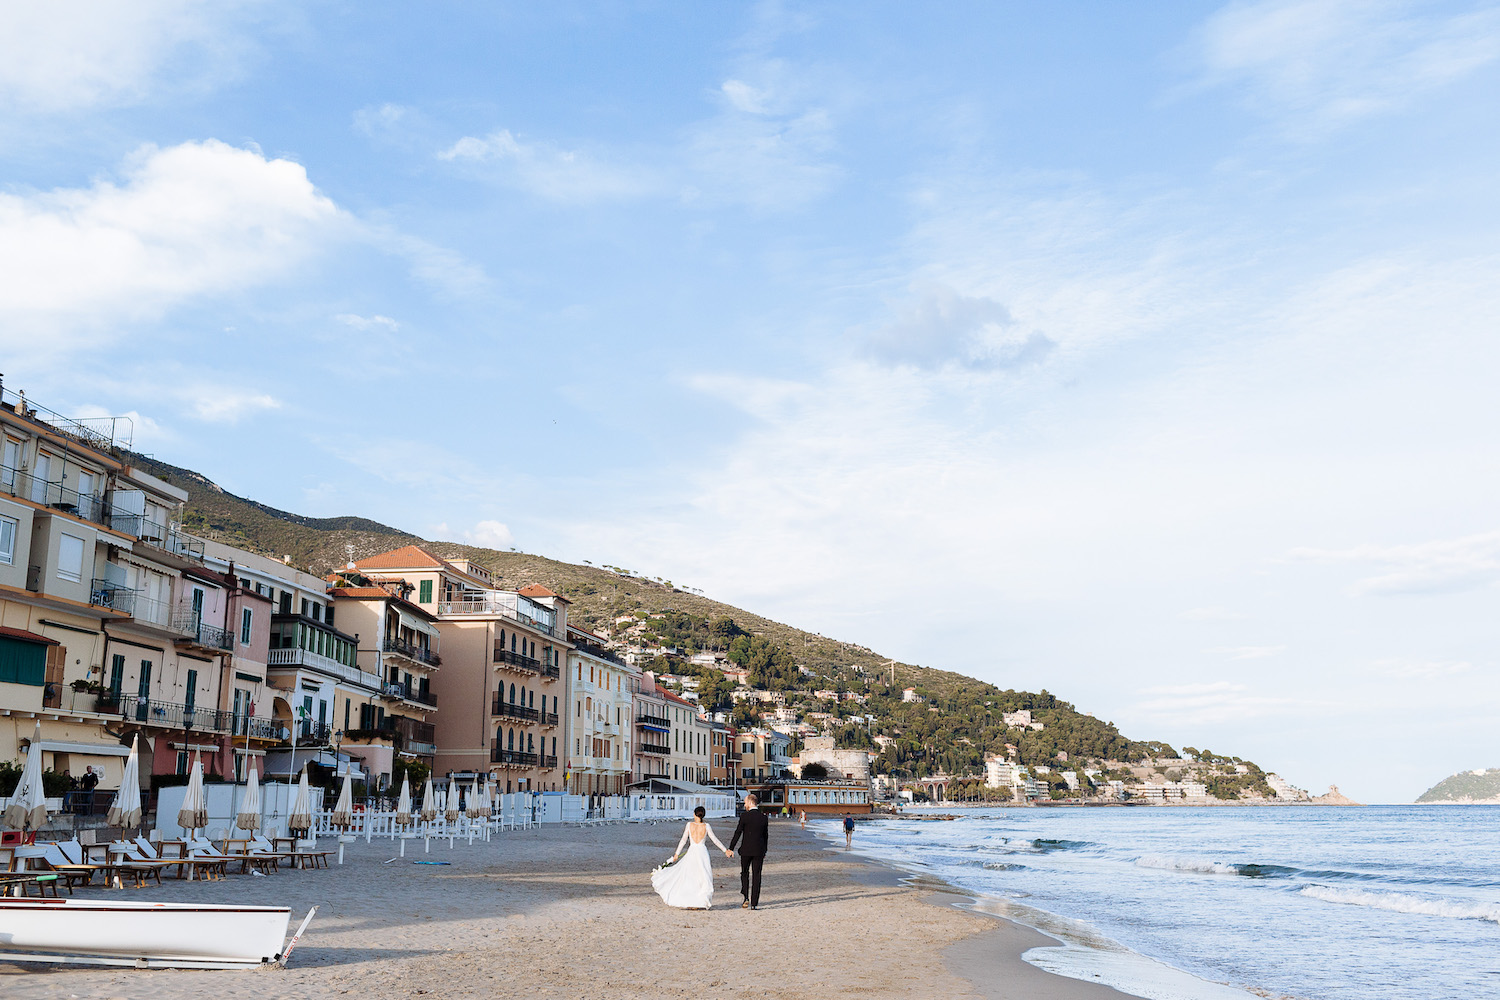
(688, 884)
(848, 831)
(802, 817)
(752, 831)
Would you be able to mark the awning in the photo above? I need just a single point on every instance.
(25, 636)
(97, 749)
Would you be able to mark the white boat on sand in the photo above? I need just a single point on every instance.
(143, 935)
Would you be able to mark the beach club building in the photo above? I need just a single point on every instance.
(501, 684)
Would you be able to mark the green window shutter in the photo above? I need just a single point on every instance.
(22, 662)
(424, 594)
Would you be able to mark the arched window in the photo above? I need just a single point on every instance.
(512, 694)
(530, 743)
(510, 739)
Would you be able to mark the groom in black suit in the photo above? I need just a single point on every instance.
(752, 829)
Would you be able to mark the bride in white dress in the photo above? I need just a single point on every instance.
(689, 884)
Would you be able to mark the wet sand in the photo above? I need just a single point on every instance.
(568, 912)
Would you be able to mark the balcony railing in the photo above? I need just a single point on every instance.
(594, 649)
(512, 710)
(296, 657)
(313, 733)
(550, 761)
(167, 537)
(549, 718)
(113, 595)
(411, 651)
(408, 693)
(517, 660)
(205, 635)
(481, 606)
(550, 671)
(173, 715)
(655, 721)
(660, 749)
(89, 506)
(255, 728)
(511, 758)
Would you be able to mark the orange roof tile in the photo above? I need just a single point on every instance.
(361, 592)
(537, 590)
(406, 557)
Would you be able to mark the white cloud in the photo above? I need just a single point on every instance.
(552, 173)
(490, 534)
(368, 322)
(1436, 567)
(65, 56)
(1423, 669)
(1211, 615)
(1320, 63)
(1197, 704)
(744, 97)
(1248, 652)
(188, 220)
(947, 328)
(228, 405)
(380, 120)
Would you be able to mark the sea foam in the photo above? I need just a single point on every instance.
(1404, 902)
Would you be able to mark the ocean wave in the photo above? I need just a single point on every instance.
(1042, 844)
(1197, 865)
(1003, 866)
(1403, 902)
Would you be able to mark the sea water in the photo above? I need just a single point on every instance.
(1322, 903)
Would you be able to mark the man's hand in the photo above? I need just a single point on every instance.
(728, 853)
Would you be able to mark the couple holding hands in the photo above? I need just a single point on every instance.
(688, 883)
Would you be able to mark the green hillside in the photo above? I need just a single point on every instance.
(1466, 786)
(956, 725)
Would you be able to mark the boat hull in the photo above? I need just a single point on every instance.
(148, 935)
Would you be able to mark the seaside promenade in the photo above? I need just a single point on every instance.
(568, 912)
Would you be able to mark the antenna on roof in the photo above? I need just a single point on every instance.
(349, 551)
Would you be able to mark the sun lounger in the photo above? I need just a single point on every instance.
(205, 849)
(70, 873)
(175, 853)
(315, 859)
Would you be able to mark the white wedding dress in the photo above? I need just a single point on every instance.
(689, 884)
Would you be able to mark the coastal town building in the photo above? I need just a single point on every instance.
(601, 723)
(501, 679)
(653, 730)
(400, 644)
(849, 764)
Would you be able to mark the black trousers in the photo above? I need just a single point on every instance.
(750, 876)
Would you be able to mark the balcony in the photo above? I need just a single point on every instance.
(654, 722)
(172, 715)
(255, 728)
(598, 651)
(550, 762)
(167, 537)
(295, 657)
(659, 749)
(508, 658)
(200, 633)
(406, 692)
(549, 718)
(511, 758)
(511, 710)
(550, 671)
(490, 608)
(411, 651)
(313, 734)
(54, 495)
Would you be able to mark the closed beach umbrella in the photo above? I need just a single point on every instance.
(249, 814)
(403, 803)
(125, 811)
(485, 798)
(194, 811)
(301, 816)
(472, 807)
(429, 803)
(28, 807)
(343, 812)
(450, 804)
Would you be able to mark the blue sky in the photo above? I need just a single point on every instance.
(1146, 353)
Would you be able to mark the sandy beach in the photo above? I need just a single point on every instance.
(568, 912)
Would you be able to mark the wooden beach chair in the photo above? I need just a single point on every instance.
(288, 846)
(204, 849)
(71, 874)
(176, 853)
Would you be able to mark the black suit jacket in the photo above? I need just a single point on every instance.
(752, 829)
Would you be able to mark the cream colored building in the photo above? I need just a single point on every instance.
(601, 722)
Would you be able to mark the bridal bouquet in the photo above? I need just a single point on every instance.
(666, 864)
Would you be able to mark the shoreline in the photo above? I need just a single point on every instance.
(1065, 953)
(568, 912)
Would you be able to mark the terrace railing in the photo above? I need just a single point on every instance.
(510, 709)
(517, 660)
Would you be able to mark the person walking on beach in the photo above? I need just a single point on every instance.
(848, 831)
(689, 884)
(752, 831)
(802, 817)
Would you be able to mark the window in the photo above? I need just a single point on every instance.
(70, 558)
(424, 592)
(246, 616)
(7, 540)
